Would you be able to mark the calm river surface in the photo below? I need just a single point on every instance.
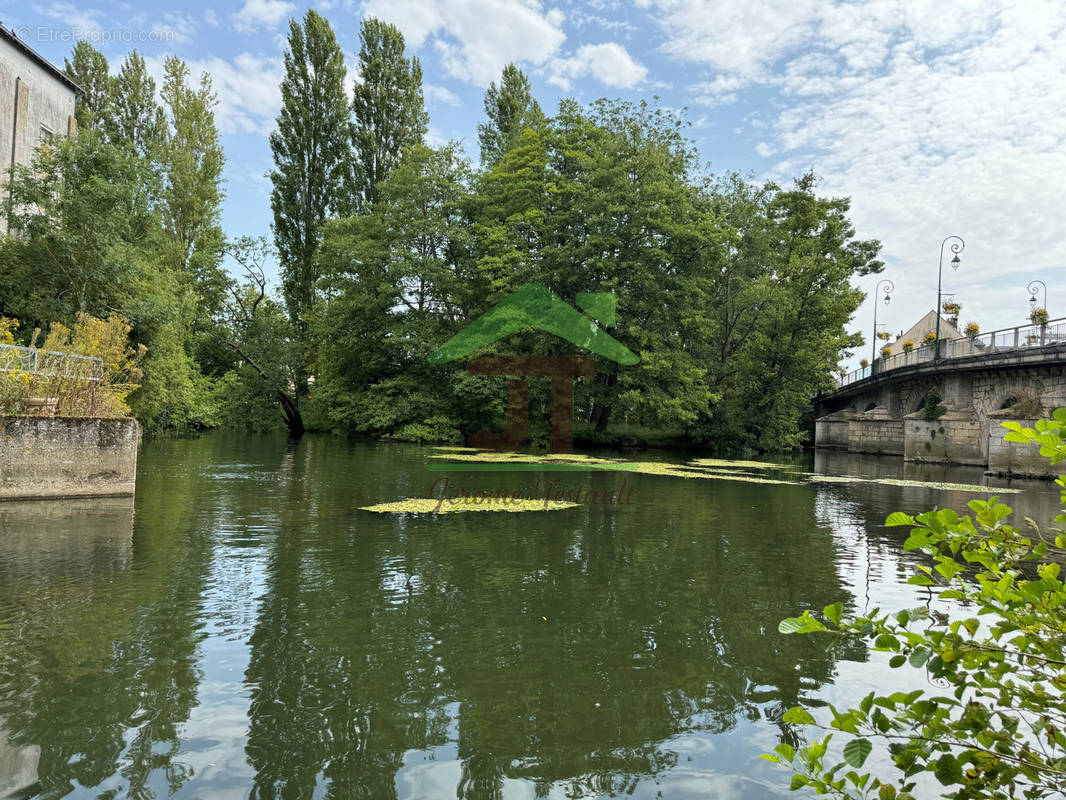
(242, 629)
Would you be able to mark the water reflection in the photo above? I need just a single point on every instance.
(243, 630)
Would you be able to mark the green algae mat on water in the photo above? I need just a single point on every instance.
(428, 505)
(946, 487)
(704, 468)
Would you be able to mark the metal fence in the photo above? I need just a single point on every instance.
(1020, 337)
(50, 363)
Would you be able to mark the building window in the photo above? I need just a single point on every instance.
(45, 135)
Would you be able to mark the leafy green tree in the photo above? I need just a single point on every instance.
(311, 157)
(600, 201)
(81, 232)
(400, 276)
(780, 297)
(192, 166)
(255, 326)
(88, 68)
(997, 728)
(388, 108)
(136, 120)
(510, 108)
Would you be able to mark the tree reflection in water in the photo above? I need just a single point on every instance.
(566, 651)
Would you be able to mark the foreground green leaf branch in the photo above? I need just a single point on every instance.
(995, 726)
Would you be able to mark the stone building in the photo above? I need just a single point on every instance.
(916, 333)
(36, 103)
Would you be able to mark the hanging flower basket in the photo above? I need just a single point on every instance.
(952, 308)
(908, 346)
(864, 363)
(972, 329)
(884, 336)
(1039, 317)
(929, 339)
(886, 353)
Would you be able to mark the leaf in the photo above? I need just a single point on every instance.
(834, 612)
(897, 518)
(797, 715)
(856, 751)
(948, 770)
(798, 782)
(804, 623)
(919, 655)
(896, 661)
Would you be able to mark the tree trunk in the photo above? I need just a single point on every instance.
(293, 418)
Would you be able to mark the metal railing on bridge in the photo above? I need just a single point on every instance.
(1020, 337)
(50, 363)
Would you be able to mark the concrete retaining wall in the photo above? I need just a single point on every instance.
(1017, 458)
(48, 457)
(952, 439)
(871, 435)
(831, 432)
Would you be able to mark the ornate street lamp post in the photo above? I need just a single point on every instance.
(1032, 288)
(957, 247)
(889, 287)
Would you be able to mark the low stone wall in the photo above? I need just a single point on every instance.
(952, 439)
(831, 432)
(872, 435)
(49, 457)
(1018, 458)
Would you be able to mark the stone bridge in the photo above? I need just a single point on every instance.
(885, 412)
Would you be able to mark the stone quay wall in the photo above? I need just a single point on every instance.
(51, 457)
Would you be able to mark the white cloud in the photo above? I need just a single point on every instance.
(935, 117)
(174, 28)
(255, 14)
(476, 38)
(440, 94)
(609, 63)
(82, 22)
(248, 89)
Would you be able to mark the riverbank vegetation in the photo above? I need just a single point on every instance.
(736, 294)
(993, 646)
(88, 370)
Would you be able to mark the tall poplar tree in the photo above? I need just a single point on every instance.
(136, 120)
(311, 156)
(388, 106)
(87, 67)
(192, 165)
(511, 108)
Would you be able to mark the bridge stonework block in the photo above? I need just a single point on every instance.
(953, 439)
(1014, 458)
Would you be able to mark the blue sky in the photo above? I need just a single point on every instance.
(937, 117)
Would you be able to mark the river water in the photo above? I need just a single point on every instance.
(242, 629)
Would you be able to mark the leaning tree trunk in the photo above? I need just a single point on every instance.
(290, 408)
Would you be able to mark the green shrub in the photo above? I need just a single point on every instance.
(998, 729)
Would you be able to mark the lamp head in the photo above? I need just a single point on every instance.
(955, 261)
(888, 299)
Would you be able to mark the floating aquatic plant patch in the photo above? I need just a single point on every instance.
(725, 462)
(424, 505)
(834, 479)
(954, 487)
